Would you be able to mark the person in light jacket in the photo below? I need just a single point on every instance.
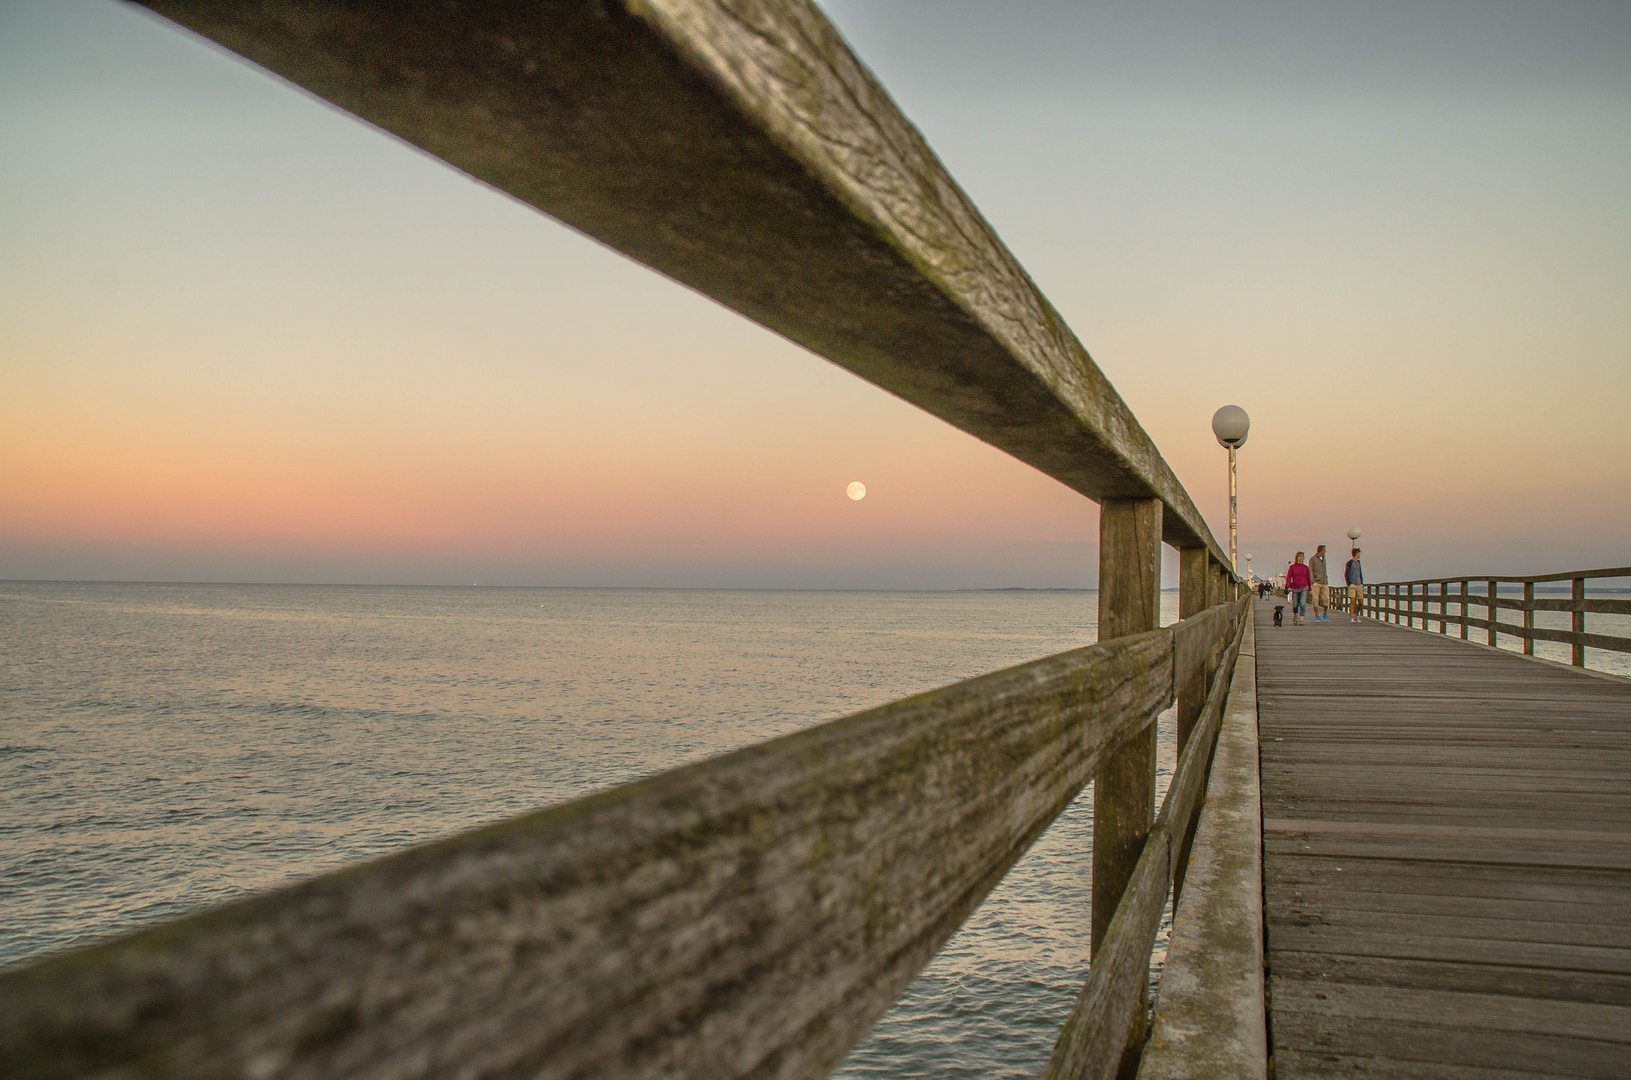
(1298, 580)
(1321, 594)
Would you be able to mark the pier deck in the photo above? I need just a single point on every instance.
(1447, 857)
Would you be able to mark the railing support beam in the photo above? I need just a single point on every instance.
(1124, 786)
(1194, 566)
(1578, 623)
(1528, 617)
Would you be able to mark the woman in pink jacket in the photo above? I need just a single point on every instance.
(1298, 579)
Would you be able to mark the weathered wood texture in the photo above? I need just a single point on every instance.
(1397, 602)
(1193, 568)
(739, 147)
(1124, 785)
(1092, 1043)
(746, 916)
(1199, 642)
(1447, 858)
(1209, 1021)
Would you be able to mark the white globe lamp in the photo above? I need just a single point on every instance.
(1231, 425)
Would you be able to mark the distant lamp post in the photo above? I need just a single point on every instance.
(1230, 424)
(1248, 568)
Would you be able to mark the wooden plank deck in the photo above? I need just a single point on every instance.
(1447, 857)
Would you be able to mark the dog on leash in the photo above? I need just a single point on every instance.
(1279, 614)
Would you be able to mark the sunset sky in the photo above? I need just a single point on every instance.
(245, 337)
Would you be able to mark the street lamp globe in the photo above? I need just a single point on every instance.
(1353, 533)
(1230, 424)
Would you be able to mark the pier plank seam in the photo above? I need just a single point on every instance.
(1408, 926)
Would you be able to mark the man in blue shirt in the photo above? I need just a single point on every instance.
(1355, 577)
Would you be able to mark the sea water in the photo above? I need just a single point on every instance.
(166, 748)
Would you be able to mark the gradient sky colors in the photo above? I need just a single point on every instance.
(245, 337)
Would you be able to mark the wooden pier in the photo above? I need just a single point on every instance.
(1444, 831)
(1447, 857)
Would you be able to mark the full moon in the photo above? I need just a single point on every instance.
(856, 490)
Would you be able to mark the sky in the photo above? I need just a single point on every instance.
(246, 337)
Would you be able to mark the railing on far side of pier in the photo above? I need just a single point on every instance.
(1409, 602)
(754, 914)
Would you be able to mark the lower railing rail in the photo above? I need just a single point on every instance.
(1410, 602)
(1094, 1041)
(750, 915)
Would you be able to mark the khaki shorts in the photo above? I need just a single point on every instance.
(1356, 593)
(1321, 596)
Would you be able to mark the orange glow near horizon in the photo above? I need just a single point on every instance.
(243, 336)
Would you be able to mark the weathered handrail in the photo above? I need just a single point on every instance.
(741, 148)
(751, 915)
(1386, 602)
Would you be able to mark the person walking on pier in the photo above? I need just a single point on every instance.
(1298, 580)
(1354, 575)
(1321, 587)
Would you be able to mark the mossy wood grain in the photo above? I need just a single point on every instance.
(750, 915)
(1092, 1043)
(739, 147)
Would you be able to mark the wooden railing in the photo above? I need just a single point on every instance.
(749, 915)
(754, 914)
(1408, 602)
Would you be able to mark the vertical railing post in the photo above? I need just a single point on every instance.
(1124, 786)
(1410, 605)
(1443, 607)
(1463, 611)
(1529, 618)
(1194, 569)
(1494, 635)
(1194, 565)
(1579, 623)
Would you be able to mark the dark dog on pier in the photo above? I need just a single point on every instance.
(1279, 614)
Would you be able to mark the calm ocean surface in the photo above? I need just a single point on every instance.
(171, 747)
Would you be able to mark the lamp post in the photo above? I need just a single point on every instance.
(1248, 569)
(1230, 424)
